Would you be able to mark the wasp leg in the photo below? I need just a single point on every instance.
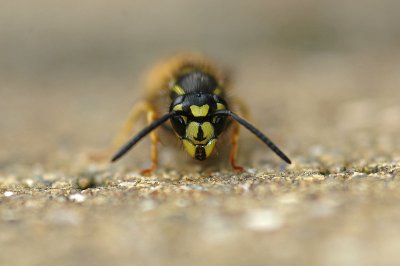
(138, 110)
(235, 140)
(151, 117)
(243, 111)
(125, 132)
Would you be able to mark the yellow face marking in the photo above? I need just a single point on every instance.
(217, 91)
(190, 148)
(178, 107)
(220, 106)
(199, 110)
(210, 147)
(178, 90)
(192, 132)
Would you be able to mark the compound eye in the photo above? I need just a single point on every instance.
(179, 124)
(217, 120)
(216, 98)
(219, 124)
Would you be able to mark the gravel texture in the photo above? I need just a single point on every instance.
(334, 111)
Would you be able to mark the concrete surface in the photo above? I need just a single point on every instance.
(329, 97)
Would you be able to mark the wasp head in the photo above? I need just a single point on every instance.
(195, 122)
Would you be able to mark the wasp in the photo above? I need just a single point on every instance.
(190, 92)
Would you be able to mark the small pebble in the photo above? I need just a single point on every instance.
(358, 175)
(77, 197)
(61, 185)
(8, 193)
(85, 182)
(194, 187)
(127, 184)
(252, 171)
(29, 183)
(246, 187)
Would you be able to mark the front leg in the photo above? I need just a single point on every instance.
(234, 141)
(151, 117)
(243, 111)
(125, 133)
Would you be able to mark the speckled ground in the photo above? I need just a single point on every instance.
(337, 204)
(331, 102)
(347, 217)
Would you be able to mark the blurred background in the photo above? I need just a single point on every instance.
(70, 71)
(321, 79)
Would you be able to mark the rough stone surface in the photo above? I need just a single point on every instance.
(329, 97)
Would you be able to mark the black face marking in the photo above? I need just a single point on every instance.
(200, 153)
(200, 134)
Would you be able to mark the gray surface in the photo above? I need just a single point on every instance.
(320, 79)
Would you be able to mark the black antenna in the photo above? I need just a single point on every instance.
(256, 132)
(124, 149)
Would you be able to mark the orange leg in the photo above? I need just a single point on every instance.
(235, 140)
(243, 111)
(125, 132)
(151, 117)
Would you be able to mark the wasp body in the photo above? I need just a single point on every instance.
(190, 91)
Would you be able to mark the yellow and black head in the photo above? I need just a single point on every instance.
(198, 114)
(195, 101)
